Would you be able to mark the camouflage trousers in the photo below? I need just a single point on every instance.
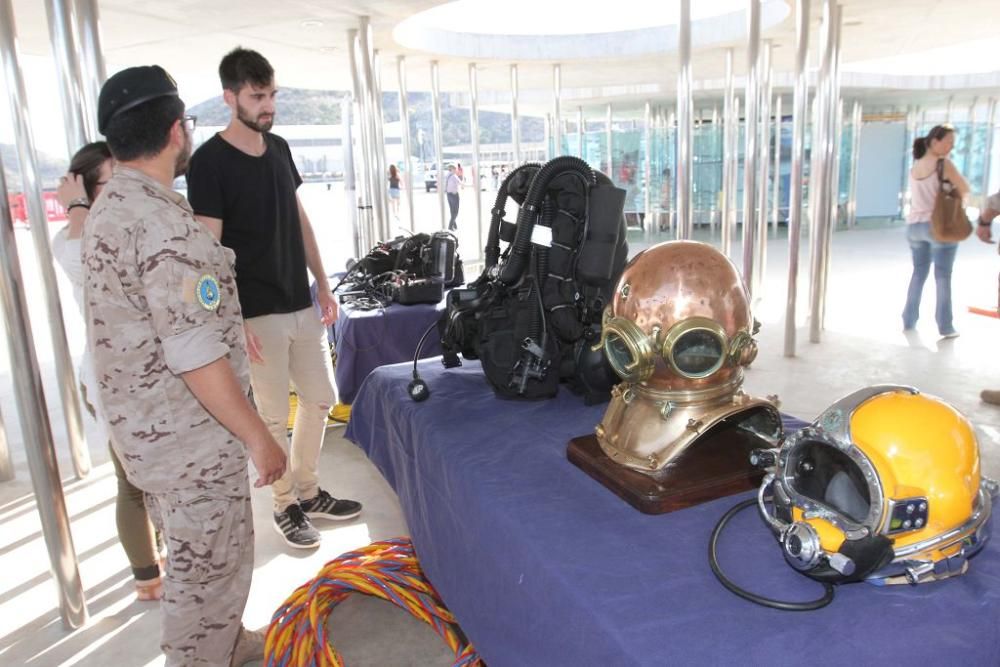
(209, 537)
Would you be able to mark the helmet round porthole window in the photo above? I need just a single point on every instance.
(628, 349)
(696, 347)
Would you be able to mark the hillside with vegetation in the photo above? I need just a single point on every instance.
(51, 168)
(297, 106)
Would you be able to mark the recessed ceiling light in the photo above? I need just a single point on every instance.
(312, 23)
(328, 49)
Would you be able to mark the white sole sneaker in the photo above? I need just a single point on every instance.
(293, 545)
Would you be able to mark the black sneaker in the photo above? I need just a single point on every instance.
(325, 506)
(295, 528)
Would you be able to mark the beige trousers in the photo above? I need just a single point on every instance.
(209, 535)
(294, 347)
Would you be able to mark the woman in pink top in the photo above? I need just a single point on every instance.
(924, 186)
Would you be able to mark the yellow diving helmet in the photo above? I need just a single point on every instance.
(884, 486)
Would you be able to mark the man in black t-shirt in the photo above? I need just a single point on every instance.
(242, 185)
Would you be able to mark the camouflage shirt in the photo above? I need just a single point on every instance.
(160, 299)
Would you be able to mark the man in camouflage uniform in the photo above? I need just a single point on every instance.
(165, 330)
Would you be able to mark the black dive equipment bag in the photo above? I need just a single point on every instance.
(408, 270)
(534, 314)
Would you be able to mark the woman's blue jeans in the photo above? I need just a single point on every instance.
(925, 251)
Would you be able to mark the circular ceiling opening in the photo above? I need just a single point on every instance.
(573, 29)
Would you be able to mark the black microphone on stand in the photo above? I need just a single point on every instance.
(418, 389)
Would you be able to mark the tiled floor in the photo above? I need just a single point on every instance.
(862, 344)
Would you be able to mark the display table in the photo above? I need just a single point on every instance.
(367, 339)
(543, 566)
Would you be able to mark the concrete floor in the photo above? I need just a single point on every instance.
(862, 344)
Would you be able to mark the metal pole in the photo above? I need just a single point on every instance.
(685, 135)
(6, 464)
(716, 149)
(438, 138)
(968, 142)
(750, 160)
(515, 125)
(556, 115)
(833, 170)
(366, 213)
(404, 119)
(474, 125)
(64, 49)
(776, 201)
(852, 187)
(647, 173)
(607, 129)
(371, 116)
(92, 69)
(824, 134)
(350, 187)
(911, 135)
(838, 133)
(547, 136)
(728, 157)
(580, 133)
(671, 140)
(991, 120)
(764, 144)
(800, 105)
(32, 188)
(35, 429)
(378, 119)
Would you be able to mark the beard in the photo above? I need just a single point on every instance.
(184, 157)
(262, 123)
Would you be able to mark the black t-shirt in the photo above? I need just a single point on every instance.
(255, 199)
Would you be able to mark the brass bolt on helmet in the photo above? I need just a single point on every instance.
(884, 486)
(679, 332)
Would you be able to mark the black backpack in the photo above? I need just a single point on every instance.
(534, 314)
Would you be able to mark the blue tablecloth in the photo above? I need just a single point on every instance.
(367, 339)
(543, 566)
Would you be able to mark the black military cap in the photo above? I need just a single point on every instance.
(130, 88)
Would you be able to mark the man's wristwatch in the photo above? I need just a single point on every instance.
(983, 223)
(81, 202)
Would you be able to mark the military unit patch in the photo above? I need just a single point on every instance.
(207, 291)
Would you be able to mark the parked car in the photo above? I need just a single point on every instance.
(430, 177)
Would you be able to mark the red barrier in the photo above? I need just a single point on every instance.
(54, 211)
